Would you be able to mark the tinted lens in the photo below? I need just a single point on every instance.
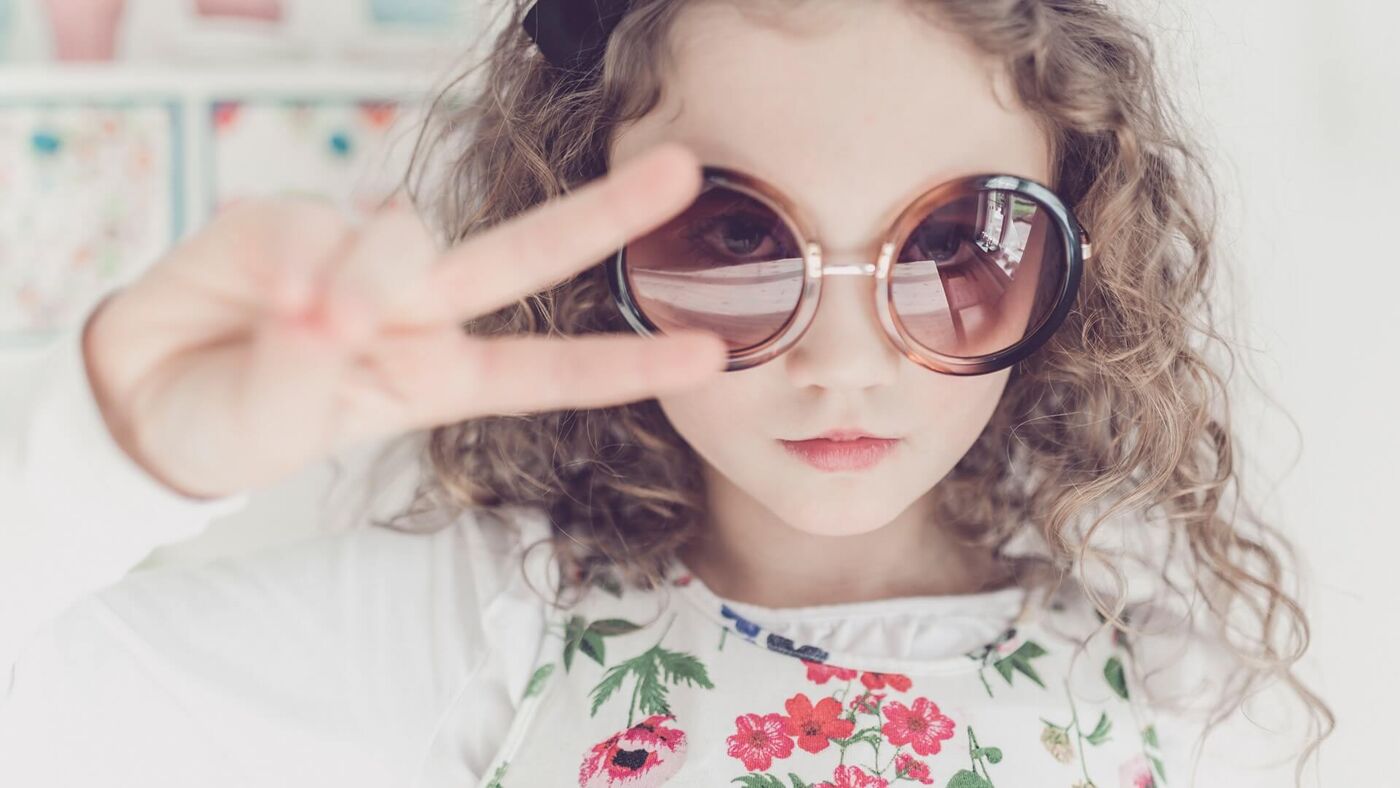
(727, 264)
(979, 273)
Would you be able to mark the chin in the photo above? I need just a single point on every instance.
(820, 517)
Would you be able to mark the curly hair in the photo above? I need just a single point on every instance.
(1120, 414)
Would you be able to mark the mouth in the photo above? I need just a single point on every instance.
(842, 450)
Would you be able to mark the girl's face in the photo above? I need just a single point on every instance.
(852, 110)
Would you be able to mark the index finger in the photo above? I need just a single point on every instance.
(553, 240)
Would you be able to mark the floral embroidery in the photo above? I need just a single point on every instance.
(1056, 738)
(853, 777)
(815, 726)
(651, 669)
(760, 739)
(745, 627)
(834, 720)
(907, 768)
(820, 672)
(881, 680)
(645, 755)
(867, 702)
(784, 645)
(648, 753)
(922, 727)
(1135, 773)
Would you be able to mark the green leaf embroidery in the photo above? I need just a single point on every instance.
(1019, 661)
(496, 777)
(1149, 735)
(579, 635)
(992, 754)
(1113, 671)
(611, 683)
(1157, 764)
(967, 779)
(608, 627)
(797, 781)
(537, 680)
(592, 645)
(759, 781)
(573, 634)
(652, 670)
(1100, 733)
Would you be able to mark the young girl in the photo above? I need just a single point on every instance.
(912, 470)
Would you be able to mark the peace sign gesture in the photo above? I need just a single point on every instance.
(279, 334)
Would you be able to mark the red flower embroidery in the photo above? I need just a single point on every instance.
(758, 740)
(820, 672)
(876, 681)
(867, 702)
(922, 726)
(905, 766)
(815, 727)
(853, 777)
(645, 755)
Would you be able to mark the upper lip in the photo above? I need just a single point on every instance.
(846, 434)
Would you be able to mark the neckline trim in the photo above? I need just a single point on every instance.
(773, 628)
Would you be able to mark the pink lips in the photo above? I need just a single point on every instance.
(842, 450)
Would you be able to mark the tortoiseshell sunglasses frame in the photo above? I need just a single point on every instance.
(1075, 253)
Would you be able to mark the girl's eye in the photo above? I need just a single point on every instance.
(737, 238)
(935, 240)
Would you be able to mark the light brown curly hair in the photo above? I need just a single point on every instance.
(1119, 414)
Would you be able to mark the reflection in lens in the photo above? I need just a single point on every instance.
(979, 273)
(727, 264)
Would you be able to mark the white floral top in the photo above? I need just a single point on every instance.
(678, 687)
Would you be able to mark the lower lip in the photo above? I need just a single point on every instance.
(828, 455)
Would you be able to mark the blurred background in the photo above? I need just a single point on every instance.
(125, 124)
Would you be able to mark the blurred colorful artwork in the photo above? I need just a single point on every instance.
(353, 152)
(415, 12)
(90, 195)
(264, 10)
(85, 29)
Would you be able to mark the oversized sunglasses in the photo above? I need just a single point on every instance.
(973, 276)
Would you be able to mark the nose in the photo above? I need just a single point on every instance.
(845, 347)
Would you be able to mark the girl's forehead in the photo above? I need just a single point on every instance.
(851, 118)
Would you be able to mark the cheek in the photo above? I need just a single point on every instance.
(721, 418)
(948, 414)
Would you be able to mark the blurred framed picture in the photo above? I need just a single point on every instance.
(91, 193)
(351, 151)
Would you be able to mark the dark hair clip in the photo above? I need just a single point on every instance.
(573, 34)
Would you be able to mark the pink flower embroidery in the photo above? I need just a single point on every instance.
(643, 756)
(758, 740)
(1136, 773)
(820, 672)
(853, 777)
(922, 726)
(876, 681)
(814, 727)
(867, 702)
(905, 766)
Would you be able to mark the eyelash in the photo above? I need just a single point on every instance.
(695, 236)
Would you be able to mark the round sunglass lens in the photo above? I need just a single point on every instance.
(979, 273)
(727, 264)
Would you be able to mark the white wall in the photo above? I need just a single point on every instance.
(1301, 100)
